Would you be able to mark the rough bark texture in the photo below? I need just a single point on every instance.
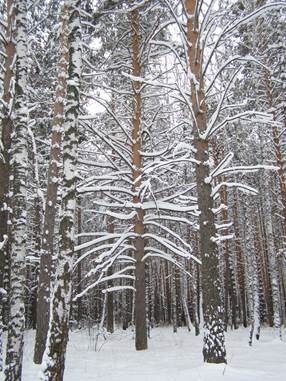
(6, 127)
(51, 199)
(54, 356)
(213, 349)
(19, 161)
(140, 282)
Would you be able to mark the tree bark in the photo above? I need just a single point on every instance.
(43, 304)
(213, 349)
(19, 163)
(54, 356)
(140, 282)
(6, 128)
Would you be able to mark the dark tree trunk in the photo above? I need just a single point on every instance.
(213, 349)
(6, 129)
(140, 281)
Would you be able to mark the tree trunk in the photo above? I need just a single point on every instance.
(252, 273)
(213, 349)
(6, 128)
(110, 314)
(140, 282)
(79, 265)
(174, 300)
(240, 263)
(43, 305)
(19, 163)
(54, 356)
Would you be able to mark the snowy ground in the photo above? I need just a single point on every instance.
(170, 357)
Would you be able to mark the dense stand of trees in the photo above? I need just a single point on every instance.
(142, 174)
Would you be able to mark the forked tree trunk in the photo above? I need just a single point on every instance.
(19, 163)
(54, 356)
(140, 282)
(213, 349)
(43, 304)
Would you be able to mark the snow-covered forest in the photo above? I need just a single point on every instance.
(142, 187)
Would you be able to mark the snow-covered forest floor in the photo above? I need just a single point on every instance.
(170, 357)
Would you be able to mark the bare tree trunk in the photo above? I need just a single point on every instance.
(230, 289)
(240, 263)
(213, 349)
(140, 282)
(54, 356)
(110, 314)
(43, 305)
(252, 273)
(174, 300)
(19, 163)
(6, 128)
(79, 265)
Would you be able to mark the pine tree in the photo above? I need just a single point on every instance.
(213, 350)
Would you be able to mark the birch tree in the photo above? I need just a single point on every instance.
(54, 356)
(19, 161)
(52, 191)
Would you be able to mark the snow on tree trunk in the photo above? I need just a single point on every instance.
(251, 274)
(35, 241)
(140, 281)
(3, 295)
(19, 162)
(110, 304)
(272, 257)
(6, 125)
(213, 349)
(51, 199)
(54, 356)
(240, 260)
